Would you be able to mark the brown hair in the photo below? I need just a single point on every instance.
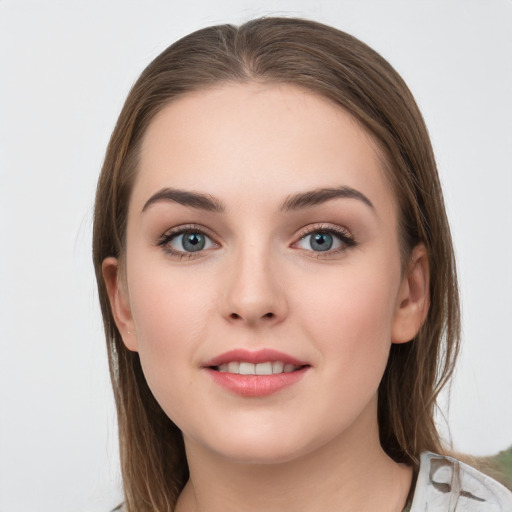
(337, 66)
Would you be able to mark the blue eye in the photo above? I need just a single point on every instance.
(193, 242)
(323, 240)
(188, 242)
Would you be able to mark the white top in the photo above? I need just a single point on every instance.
(447, 485)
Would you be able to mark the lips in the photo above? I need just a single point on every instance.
(255, 373)
(254, 357)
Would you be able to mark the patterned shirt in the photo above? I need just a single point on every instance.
(445, 484)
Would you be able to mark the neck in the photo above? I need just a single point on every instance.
(350, 473)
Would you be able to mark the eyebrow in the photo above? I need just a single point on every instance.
(294, 202)
(322, 195)
(186, 198)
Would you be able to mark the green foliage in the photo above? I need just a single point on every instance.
(503, 461)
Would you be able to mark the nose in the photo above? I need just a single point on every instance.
(253, 293)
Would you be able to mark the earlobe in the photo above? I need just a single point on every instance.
(413, 299)
(119, 302)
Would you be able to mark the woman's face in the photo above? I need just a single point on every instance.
(263, 285)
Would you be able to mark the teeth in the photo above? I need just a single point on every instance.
(234, 367)
(266, 368)
(263, 368)
(247, 369)
(277, 367)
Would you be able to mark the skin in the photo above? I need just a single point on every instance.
(259, 284)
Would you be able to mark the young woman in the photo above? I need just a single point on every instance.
(277, 281)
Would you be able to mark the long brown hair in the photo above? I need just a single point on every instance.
(337, 66)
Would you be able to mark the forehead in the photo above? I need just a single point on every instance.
(263, 138)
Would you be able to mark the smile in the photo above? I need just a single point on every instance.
(266, 368)
(257, 373)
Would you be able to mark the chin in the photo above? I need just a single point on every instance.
(260, 454)
(265, 444)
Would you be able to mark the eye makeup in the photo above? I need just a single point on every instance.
(193, 241)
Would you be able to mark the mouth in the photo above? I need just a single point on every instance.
(265, 361)
(264, 368)
(255, 373)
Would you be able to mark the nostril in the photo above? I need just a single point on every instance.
(236, 316)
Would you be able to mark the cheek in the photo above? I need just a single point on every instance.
(171, 315)
(350, 315)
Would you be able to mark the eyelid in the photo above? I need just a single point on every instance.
(343, 234)
(325, 228)
(172, 233)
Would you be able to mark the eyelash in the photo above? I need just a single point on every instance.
(342, 234)
(169, 236)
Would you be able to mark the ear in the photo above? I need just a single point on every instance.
(119, 302)
(413, 299)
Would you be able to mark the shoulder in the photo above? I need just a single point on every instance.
(446, 484)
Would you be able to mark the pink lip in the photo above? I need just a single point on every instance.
(254, 385)
(254, 357)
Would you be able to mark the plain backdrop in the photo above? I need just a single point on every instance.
(65, 69)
